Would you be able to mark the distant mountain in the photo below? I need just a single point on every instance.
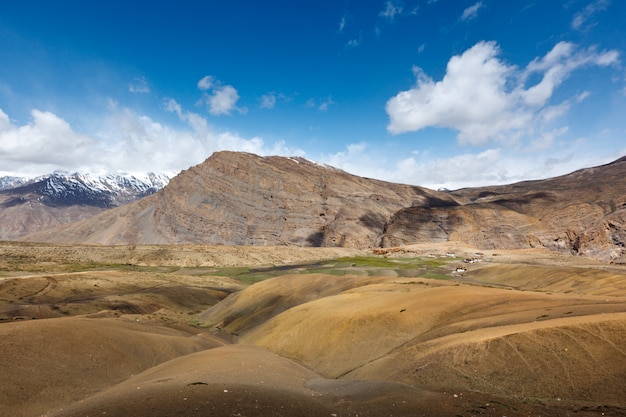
(11, 182)
(243, 199)
(29, 205)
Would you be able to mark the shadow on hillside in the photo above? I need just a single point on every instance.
(316, 239)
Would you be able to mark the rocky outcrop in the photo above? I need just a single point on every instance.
(479, 225)
(582, 213)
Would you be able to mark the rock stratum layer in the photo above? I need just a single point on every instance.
(243, 199)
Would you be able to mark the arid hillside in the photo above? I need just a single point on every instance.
(582, 213)
(243, 199)
(411, 331)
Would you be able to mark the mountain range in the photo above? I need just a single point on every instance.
(30, 205)
(243, 199)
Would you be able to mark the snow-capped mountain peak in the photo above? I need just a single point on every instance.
(62, 188)
(11, 182)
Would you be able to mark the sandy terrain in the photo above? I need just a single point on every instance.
(159, 331)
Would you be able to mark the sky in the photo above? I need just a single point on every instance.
(437, 93)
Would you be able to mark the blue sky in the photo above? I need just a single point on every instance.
(439, 93)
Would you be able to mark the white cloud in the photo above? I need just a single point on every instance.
(342, 24)
(472, 11)
(139, 86)
(489, 167)
(581, 18)
(391, 10)
(271, 99)
(46, 140)
(486, 99)
(582, 96)
(557, 65)
(205, 82)
(345, 159)
(268, 101)
(322, 106)
(126, 141)
(222, 99)
(226, 140)
(5, 123)
(546, 139)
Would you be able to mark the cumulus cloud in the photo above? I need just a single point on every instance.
(581, 19)
(225, 140)
(485, 99)
(205, 82)
(484, 168)
(46, 140)
(139, 86)
(223, 100)
(488, 167)
(557, 65)
(126, 141)
(5, 123)
(219, 98)
(472, 11)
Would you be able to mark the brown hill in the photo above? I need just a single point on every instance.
(509, 343)
(580, 213)
(22, 214)
(522, 333)
(243, 199)
(56, 361)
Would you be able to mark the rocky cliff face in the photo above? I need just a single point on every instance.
(243, 199)
(581, 213)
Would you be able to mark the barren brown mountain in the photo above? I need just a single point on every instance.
(243, 199)
(581, 213)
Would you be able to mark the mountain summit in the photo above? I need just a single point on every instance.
(29, 205)
(243, 199)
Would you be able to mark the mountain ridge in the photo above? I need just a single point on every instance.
(29, 205)
(244, 199)
(236, 198)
